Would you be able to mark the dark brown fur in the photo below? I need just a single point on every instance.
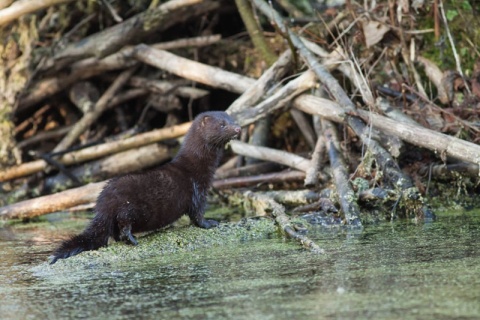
(156, 198)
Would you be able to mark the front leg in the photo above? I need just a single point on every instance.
(197, 210)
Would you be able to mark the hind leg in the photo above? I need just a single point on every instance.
(127, 236)
(124, 226)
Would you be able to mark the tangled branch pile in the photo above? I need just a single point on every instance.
(99, 89)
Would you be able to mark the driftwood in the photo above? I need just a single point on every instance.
(19, 8)
(345, 192)
(116, 164)
(278, 100)
(52, 203)
(311, 176)
(264, 84)
(225, 172)
(268, 154)
(265, 205)
(332, 111)
(165, 87)
(193, 70)
(97, 151)
(292, 197)
(268, 178)
(395, 177)
(304, 126)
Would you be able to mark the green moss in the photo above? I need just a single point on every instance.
(170, 240)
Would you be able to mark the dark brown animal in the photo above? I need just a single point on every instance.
(156, 198)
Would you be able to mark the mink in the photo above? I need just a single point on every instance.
(157, 197)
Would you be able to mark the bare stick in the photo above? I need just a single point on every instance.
(122, 56)
(346, 195)
(19, 8)
(265, 205)
(5, 3)
(224, 172)
(321, 72)
(263, 84)
(193, 70)
(338, 60)
(52, 203)
(108, 167)
(392, 112)
(322, 107)
(278, 100)
(276, 177)
(311, 177)
(97, 151)
(304, 126)
(269, 154)
(89, 118)
(163, 87)
(292, 197)
(44, 135)
(50, 86)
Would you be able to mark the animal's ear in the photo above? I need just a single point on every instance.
(205, 120)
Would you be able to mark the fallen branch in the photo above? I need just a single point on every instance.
(116, 164)
(278, 100)
(277, 177)
(20, 8)
(311, 175)
(264, 205)
(346, 195)
(268, 154)
(224, 172)
(265, 83)
(192, 70)
(97, 151)
(52, 203)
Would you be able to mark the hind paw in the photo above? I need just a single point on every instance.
(127, 236)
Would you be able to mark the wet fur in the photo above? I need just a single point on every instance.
(156, 198)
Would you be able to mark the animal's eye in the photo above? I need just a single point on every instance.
(222, 125)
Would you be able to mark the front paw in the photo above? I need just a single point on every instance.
(208, 223)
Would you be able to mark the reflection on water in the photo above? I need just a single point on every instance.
(390, 271)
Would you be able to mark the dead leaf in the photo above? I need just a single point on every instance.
(436, 76)
(373, 32)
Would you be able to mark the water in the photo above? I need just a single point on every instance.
(390, 271)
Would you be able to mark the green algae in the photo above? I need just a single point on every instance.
(158, 245)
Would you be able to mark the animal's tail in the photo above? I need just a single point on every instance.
(95, 236)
